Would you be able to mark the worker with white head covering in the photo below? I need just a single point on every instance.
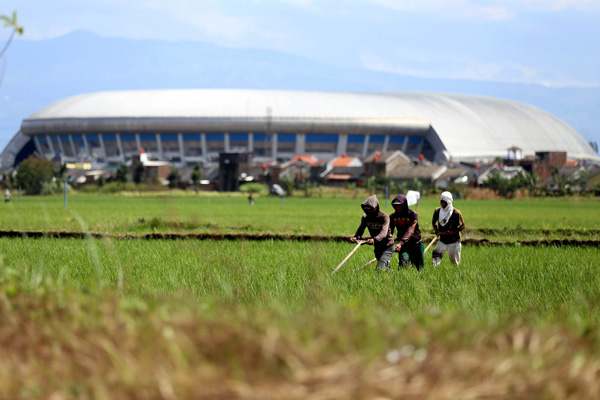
(447, 223)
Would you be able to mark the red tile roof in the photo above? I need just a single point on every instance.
(304, 158)
(342, 161)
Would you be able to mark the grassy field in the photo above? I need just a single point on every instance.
(493, 219)
(185, 319)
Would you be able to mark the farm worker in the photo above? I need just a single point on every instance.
(406, 222)
(447, 223)
(251, 198)
(378, 224)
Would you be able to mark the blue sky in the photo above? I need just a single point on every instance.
(549, 42)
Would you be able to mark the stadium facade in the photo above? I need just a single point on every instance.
(186, 127)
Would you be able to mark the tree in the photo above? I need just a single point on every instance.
(500, 184)
(138, 173)
(17, 29)
(196, 177)
(33, 173)
(174, 177)
(527, 180)
(122, 174)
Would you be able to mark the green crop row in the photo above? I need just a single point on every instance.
(231, 213)
(103, 318)
(293, 275)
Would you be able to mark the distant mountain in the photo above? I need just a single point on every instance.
(40, 72)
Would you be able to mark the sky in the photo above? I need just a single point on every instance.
(554, 43)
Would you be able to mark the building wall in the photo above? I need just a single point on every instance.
(192, 148)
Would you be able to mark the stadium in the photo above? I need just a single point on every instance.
(187, 127)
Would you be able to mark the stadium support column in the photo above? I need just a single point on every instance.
(72, 147)
(226, 142)
(50, 146)
(365, 146)
(204, 147)
(86, 146)
(138, 142)
(181, 153)
(62, 149)
(300, 143)
(37, 144)
(274, 146)
(120, 147)
(101, 141)
(342, 144)
(161, 153)
(420, 146)
(250, 142)
(405, 144)
(386, 142)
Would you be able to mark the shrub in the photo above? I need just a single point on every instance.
(33, 173)
(255, 187)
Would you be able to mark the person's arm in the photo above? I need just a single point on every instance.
(461, 223)
(392, 225)
(409, 232)
(434, 221)
(359, 231)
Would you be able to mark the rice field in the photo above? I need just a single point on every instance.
(214, 213)
(185, 319)
(490, 280)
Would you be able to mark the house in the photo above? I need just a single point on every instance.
(341, 170)
(506, 171)
(384, 162)
(592, 181)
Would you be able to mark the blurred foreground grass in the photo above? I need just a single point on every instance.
(103, 319)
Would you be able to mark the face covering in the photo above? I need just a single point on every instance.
(446, 213)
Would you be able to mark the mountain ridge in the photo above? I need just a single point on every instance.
(38, 73)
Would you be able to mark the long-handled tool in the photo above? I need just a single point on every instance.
(367, 264)
(359, 243)
(430, 243)
(373, 260)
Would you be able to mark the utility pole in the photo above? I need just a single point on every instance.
(269, 134)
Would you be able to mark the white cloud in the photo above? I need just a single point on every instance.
(422, 66)
(490, 10)
(426, 67)
(488, 13)
(583, 5)
(424, 6)
(299, 3)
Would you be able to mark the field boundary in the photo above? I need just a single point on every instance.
(272, 236)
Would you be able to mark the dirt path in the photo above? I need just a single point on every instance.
(270, 236)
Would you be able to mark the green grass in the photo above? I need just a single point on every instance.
(516, 280)
(226, 213)
(115, 318)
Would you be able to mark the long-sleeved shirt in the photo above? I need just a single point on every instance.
(377, 223)
(406, 223)
(455, 223)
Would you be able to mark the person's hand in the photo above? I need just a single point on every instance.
(398, 247)
(437, 232)
(370, 242)
(353, 239)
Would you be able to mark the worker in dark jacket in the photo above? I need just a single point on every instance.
(378, 224)
(406, 223)
(447, 223)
